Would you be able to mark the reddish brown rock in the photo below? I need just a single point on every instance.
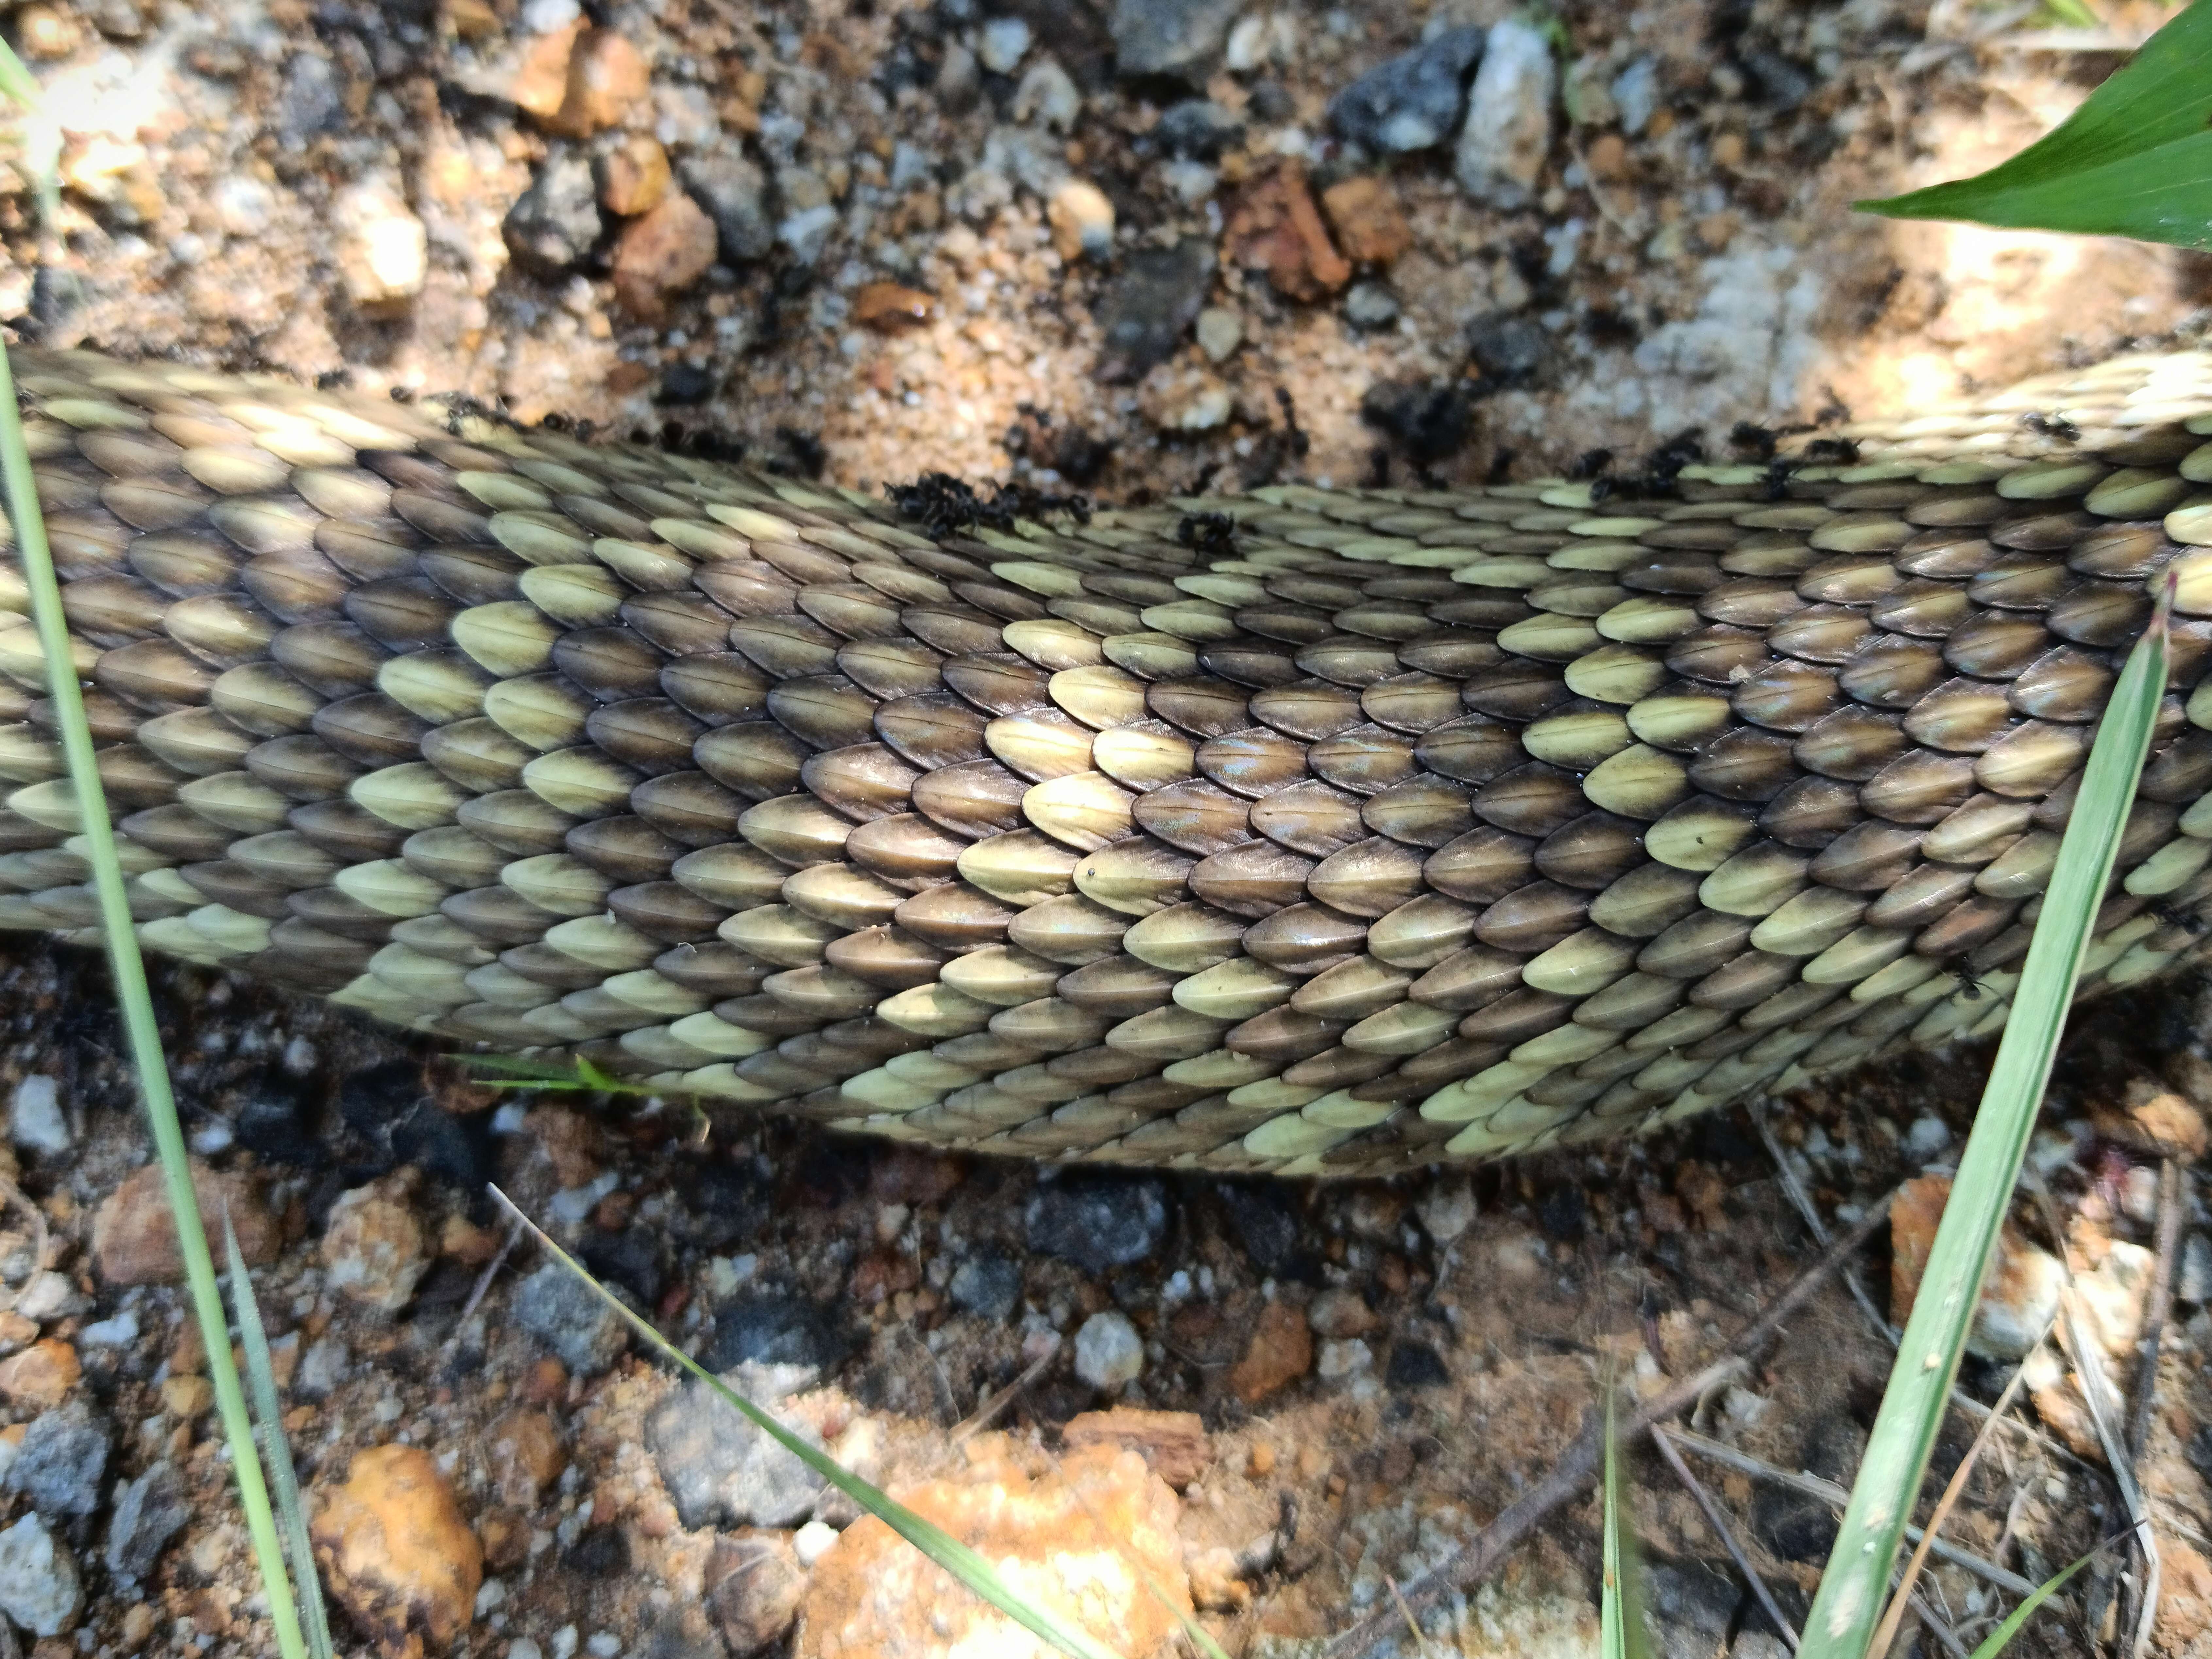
(394, 1550)
(2184, 1596)
(1090, 1541)
(662, 254)
(525, 1454)
(887, 308)
(1281, 1351)
(41, 1376)
(1175, 1443)
(1275, 227)
(1370, 225)
(634, 177)
(134, 1234)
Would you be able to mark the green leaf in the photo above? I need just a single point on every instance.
(1998, 1639)
(1849, 1602)
(523, 1073)
(932, 1540)
(2136, 160)
(1620, 1605)
(134, 1000)
(276, 1450)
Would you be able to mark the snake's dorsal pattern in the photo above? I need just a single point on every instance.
(1379, 828)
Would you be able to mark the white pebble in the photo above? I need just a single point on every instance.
(1109, 1354)
(812, 1541)
(1006, 42)
(36, 1119)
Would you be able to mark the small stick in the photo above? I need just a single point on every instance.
(1813, 1486)
(2096, 1391)
(1885, 1632)
(1719, 1523)
(989, 1410)
(1801, 1201)
(1578, 1465)
(2170, 1206)
(491, 1271)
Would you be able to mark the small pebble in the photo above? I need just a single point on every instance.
(1509, 121)
(39, 1589)
(36, 1120)
(1928, 1136)
(1220, 332)
(1339, 1360)
(382, 250)
(1082, 221)
(1109, 1352)
(1370, 306)
(812, 1541)
(1413, 102)
(1004, 43)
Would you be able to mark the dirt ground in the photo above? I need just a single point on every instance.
(886, 274)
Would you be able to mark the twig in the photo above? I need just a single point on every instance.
(2172, 1207)
(2097, 1393)
(1801, 1201)
(1719, 1523)
(1813, 1486)
(482, 1286)
(986, 1414)
(1578, 1465)
(1885, 1632)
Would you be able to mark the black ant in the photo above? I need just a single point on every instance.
(2056, 428)
(1213, 534)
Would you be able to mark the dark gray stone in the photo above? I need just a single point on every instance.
(62, 1460)
(1690, 1606)
(721, 1470)
(770, 1327)
(149, 1512)
(1177, 40)
(1413, 102)
(988, 1285)
(1197, 130)
(308, 103)
(1507, 347)
(734, 193)
(1370, 306)
(555, 224)
(1143, 316)
(1794, 1525)
(567, 1315)
(1097, 1223)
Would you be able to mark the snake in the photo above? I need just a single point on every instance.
(1302, 832)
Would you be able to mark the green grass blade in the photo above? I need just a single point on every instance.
(1998, 1639)
(932, 1540)
(137, 1001)
(1851, 1596)
(2135, 159)
(1620, 1605)
(276, 1450)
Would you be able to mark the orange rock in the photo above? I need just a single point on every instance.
(1174, 1443)
(1091, 1540)
(1370, 225)
(41, 1376)
(634, 177)
(662, 254)
(1281, 1352)
(2022, 1293)
(541, 83)
(394, 1550)
(606, 75)
(1607, 158)
(525, 1448)
(2184, 1595)
(2155, 1121)
(887, 309)
(134, 1234)
(1275, 227)
(187, 1397)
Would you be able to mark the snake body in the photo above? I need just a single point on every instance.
(1306, 832)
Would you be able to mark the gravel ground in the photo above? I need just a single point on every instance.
(1135, 248)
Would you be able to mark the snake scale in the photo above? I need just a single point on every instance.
(1302, 832)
